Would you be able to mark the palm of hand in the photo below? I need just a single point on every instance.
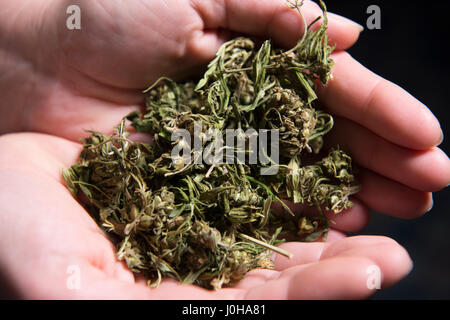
(54, 234)
(97, 73)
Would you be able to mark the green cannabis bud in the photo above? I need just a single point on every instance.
(208, 218)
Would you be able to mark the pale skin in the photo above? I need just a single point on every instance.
(55, 83)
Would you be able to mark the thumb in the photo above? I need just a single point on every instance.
(270, 19)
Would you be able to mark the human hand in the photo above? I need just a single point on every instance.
(63, 82)
(63, 92)
(68, 81)
(46, 233)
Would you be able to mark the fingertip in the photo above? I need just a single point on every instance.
(436, 169)
(334, 278)
(335, 235)
(345, 22)
(424, 204)
(385, 108)
(426, 198)
(432, 171)
(398, 266)
(286, 28)
(390, 197)
(389, 259)
(342, 31)
(423, 130)
(352, 219)
(432, 134)
(441, 139)
(430, 202)
(274, 19)
(204, 44)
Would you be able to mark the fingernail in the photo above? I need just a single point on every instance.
(432, 204)
(441, 139)
(345, 20)
(411, 268)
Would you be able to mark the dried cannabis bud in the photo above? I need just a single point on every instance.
(210, 223)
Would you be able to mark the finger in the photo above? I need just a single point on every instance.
(349, 220)
(309, 252)
(422, 170)
(341, 264)
(335, 235)
(83, 114)
(392, 259)
(387, 196)
(337, 278)
(31, 148)
(386, 109)
(204, 45)
(272, 18)
(306, 253)
(302, 253)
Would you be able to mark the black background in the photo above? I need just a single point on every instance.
(411, 49)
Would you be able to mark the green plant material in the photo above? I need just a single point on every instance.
(210, 224)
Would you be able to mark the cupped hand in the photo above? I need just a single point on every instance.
(62, 82)
(52, 249)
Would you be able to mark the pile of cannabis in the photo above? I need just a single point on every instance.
(211, 223)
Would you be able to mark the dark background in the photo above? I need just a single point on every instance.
(411, 49)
